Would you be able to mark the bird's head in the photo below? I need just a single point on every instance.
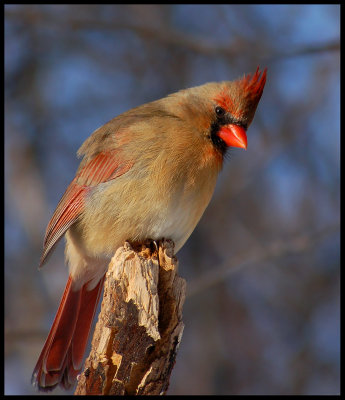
(223, 111)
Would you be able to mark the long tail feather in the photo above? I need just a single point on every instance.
(62, 355)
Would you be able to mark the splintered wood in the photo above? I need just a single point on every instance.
(140, 324)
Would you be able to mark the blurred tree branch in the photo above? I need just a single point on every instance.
(166, 35)
(253, 256)
(305, 50)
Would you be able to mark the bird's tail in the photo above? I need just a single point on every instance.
(62, 355)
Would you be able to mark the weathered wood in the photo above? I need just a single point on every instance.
(140, 324)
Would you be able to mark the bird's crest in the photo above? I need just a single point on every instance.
(244, 95)
(253, 86)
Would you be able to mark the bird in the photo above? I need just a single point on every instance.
(149, 173)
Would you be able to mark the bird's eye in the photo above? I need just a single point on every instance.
(220, 112)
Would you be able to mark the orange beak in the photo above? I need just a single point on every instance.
(233, 135)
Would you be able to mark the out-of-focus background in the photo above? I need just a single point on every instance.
(262, 309)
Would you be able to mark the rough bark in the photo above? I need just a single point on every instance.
(140, 324)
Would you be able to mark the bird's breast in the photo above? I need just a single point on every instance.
(139, 206)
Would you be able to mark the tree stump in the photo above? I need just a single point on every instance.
(140, 326)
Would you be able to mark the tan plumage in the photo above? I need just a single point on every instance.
(147, 174)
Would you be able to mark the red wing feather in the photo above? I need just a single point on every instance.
(101, 168)
(68, 210)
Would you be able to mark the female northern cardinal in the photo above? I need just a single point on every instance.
(147, 174)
